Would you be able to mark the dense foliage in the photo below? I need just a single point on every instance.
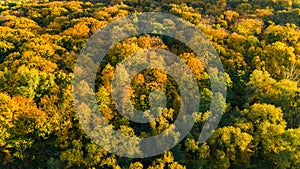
(258, 42)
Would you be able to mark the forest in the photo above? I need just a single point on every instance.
(258, 42)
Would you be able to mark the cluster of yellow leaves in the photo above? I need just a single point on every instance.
(19, 117)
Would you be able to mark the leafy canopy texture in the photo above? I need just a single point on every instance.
(258, 42)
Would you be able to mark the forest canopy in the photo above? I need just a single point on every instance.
(258, 42)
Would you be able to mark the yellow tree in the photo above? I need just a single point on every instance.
(23, 126)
